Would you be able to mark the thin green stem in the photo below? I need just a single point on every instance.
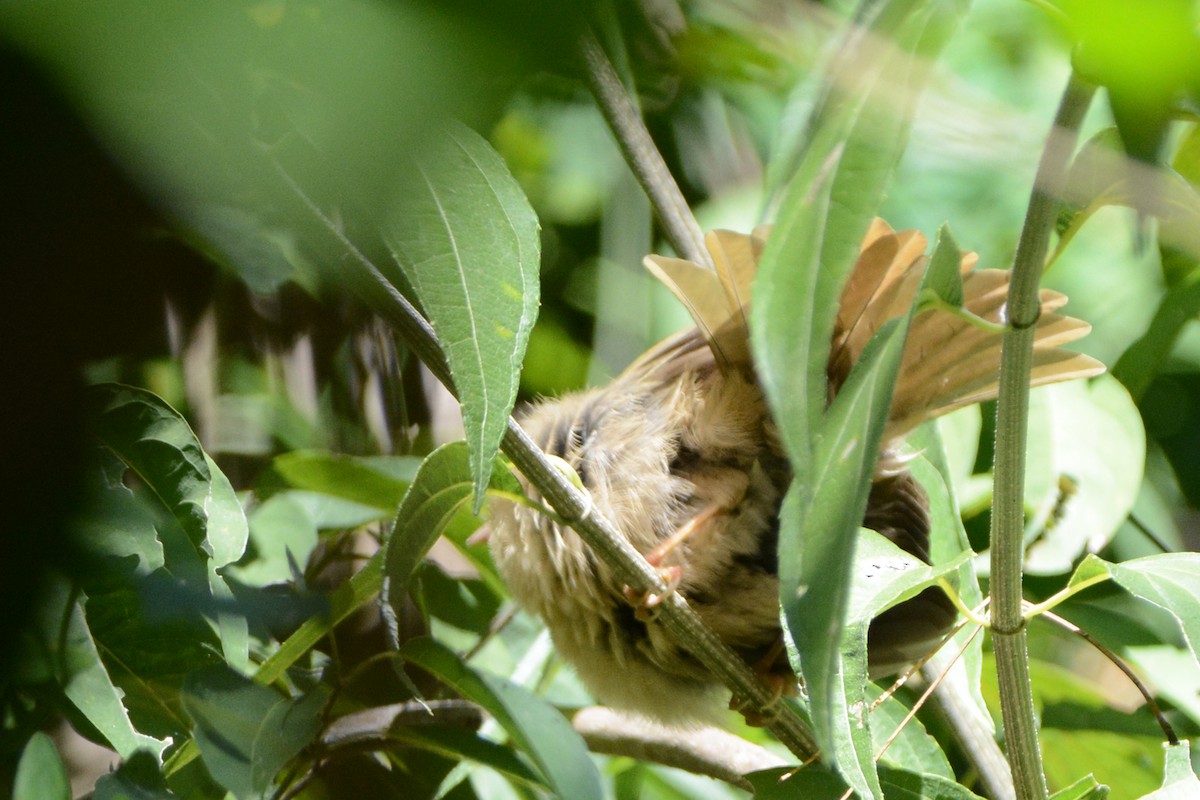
(1034, 609)
(1007, 534)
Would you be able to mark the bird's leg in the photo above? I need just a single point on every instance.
(645, 602)
(782, 685)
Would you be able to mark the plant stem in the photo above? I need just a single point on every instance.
(1007, 534)
(640, 153)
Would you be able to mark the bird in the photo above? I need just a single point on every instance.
(681, 453)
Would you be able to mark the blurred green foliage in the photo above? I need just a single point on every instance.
(215, 159)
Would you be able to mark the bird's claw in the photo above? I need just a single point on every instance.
(644, 603)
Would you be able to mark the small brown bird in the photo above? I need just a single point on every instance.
(681, 453)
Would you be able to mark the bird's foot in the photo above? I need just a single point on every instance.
(781, 686)
(645, 603)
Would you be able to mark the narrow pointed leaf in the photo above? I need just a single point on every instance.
(944, 276)
(816, 567)
(86, 682)
(439, 493)
(467, 242)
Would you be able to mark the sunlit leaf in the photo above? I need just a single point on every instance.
(1179, 779)
(1171, 582)
(536, 727)
(278, 528)
(156, 443)
(944, 276)
(441, 490)
(1087, 788)
(1091, 448)
(468, 244)
(359, 479)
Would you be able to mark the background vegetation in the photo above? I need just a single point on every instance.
(217, 402)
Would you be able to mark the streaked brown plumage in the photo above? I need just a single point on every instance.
(685, 431)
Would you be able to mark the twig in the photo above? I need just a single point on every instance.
(372, 726)
(641, 154)
(704, 751)
(1120, 664)
(1007, 553)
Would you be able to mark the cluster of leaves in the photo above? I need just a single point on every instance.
(204, 644)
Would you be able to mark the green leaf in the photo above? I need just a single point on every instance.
(1179, 779)
(944, 276)
(438, 494)
(461, 745)
(816, 567)
(1086, 441)
(905, 785)
(812, 782)
(1086, 788)
(1142, 361)
(1171, 582)
(85, 680)
(40, 772)
(118, 522)
(138, 778)
(468, 244)
(247, 733)
(279, 527)
(156, 443)
(351, 478)
(535, 726)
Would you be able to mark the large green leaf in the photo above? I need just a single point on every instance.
(1087, 445)
(248, 732)
(535, 726)
(468, 244)
(40, 772)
